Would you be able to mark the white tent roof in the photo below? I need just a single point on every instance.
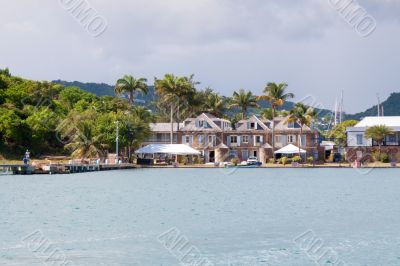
(290, 149)
(175, 149)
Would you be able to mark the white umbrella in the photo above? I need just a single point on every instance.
(174, 149)
(290, 149)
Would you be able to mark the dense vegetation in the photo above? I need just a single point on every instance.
(48, 118)
(80, 118)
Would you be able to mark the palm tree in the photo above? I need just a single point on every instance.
(143, 114)
(276, 95)
(378, 133)
(215, 104)
(129, 84)
(243, 100)
(304, 116)
(171, 89)
(85, 144)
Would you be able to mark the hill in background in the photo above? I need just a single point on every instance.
(391, 105)
(391, 108)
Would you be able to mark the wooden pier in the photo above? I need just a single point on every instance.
(21, 169)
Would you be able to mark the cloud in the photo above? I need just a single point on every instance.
(228, 44)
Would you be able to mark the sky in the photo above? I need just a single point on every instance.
(227, 44)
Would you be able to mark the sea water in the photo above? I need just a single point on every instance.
(203, 217)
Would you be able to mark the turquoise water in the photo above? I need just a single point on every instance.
(245, 217)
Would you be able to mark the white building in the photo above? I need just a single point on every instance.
(356, 134)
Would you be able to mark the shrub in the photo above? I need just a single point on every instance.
(198, 160)
(271, 161)
(284, 160)
(184, 160)
(375, 156)
(296, 159)
(385, 158)
(310, 159)
(235, 161)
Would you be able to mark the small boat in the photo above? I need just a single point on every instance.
(252, 162)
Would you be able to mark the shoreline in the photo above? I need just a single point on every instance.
(21, 169)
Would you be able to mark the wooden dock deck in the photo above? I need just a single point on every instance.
(21, 169)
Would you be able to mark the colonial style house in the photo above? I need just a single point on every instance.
(357, 143)
(356, 135)
(289, 133)
(218, 140)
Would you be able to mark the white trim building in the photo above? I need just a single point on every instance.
(356, 134)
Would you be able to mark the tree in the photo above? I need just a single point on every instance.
(129, 84)
(85, 144)
(378, 133)
(338, 132)
(143, 114)
(171, 89)
(276, 95)
(304, 116)
(69, 96)
(215, 104)
(243, 100)
(43, 123)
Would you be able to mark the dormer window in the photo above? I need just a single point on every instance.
(251, 125)
(291, 125)
(201, 124)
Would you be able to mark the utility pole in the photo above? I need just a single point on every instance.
(341, 107)
(172, 123)
(116, 141)
(379, 105)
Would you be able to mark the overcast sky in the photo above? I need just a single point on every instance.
(227, 44)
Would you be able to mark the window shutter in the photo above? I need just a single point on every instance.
(262, 139)
(303, 141)
(284, 139)
(197, 123)
(228, 140)
(248, 125)
(238, 140)
(191, 140)
(183, 139)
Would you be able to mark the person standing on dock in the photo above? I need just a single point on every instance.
(26, 158)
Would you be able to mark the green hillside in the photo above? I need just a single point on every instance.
(102, 89)
(391, 108)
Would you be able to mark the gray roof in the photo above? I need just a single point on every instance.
(242, 124)
(164, 127)
(283, 126)
(191, 123)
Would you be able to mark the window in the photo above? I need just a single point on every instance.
(211, 140)
(257, 139)
(251, 125)
(359, 139)
(291, 125)
(202, 123)
(277, 139)
(291, 138)
(200, 139)
(234, 139)
(187, 139)
(245, 139)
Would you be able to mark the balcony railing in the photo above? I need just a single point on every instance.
(386, 143)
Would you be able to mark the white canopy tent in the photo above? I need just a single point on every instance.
(172, 149)
(290, 149)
